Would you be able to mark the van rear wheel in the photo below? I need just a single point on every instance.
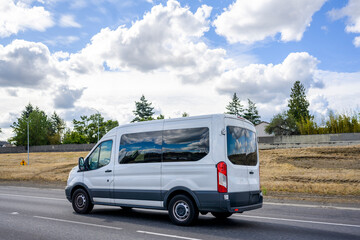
(221, 215)
(126, 208)
(182, 211)
(81, 202)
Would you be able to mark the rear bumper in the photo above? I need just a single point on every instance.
(229, 202)
(243, 201)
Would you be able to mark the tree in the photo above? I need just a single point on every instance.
(282, 124)
(86, 129)
(185, 114)
(160, 117)
(143, 110)
(298, 104)
(251, 113)
(42, 130)
(56, 131)
(234, 107)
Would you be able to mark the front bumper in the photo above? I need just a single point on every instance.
(68, 193)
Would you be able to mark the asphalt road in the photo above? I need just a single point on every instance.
(39, 213)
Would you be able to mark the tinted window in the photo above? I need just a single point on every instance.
(140, 147)
(100, 156)
(241, 146)
(105, 153)
(191, 144)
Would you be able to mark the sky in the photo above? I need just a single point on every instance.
(80, 57)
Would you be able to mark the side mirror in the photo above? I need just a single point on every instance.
(81, 164)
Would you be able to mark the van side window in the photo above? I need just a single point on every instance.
(190, 144)
(141, 147)
(241, 146)
(101, 155)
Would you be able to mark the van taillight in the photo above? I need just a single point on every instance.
(222, 177)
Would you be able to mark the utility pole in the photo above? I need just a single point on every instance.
(98, 122)
(28, 150)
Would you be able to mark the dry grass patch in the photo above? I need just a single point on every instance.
(321, 170)
(44, 167)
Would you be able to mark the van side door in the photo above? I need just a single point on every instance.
(137, 169)
(99, 175)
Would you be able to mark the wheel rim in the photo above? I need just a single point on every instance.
(181, 210)
(80, 201)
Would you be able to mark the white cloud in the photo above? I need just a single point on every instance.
(319, 105)
(19, 16)
(62, 40)
(168, 38)
(78, 4)
(26, 64)
(352, 12)
(357, 41)
(68, 21)
(270, 83)
(66, 97)
(341, 90)
(250, 21)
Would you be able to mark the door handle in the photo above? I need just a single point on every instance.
(251, 172)
(108, 170)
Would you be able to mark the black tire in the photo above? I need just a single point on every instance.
(221, 215)
(182, 210)
(81, 202)
(126, 208)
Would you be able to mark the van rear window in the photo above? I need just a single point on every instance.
(241, 146)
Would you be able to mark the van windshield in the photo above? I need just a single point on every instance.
(241, 146)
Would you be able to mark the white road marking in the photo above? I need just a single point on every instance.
(297, 220)
(311, 206)
(36, 188)
(167, 235)
(28, 196)
(14, 213)
(75, 222)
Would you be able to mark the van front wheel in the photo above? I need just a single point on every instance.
(81, 201)
(182, 211)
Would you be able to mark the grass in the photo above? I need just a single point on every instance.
(324, 171)
(321, 170)
(44, 167)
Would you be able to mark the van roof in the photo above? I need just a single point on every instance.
(180, 118)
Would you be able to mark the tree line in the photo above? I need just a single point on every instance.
(50, 130)
(298, 120)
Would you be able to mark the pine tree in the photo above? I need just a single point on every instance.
(160, 117)
(251, 113)
(143, 111)
(234, 107)
(298, 104)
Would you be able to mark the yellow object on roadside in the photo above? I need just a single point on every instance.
(23, 162)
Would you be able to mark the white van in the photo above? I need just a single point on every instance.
(184, 165)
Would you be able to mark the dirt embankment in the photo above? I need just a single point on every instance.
(319, 173)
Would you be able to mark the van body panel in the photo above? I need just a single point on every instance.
(238, 180)
(190, 149)
(201, 174)
(137, 177)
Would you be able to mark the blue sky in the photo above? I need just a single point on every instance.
(184, 56)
